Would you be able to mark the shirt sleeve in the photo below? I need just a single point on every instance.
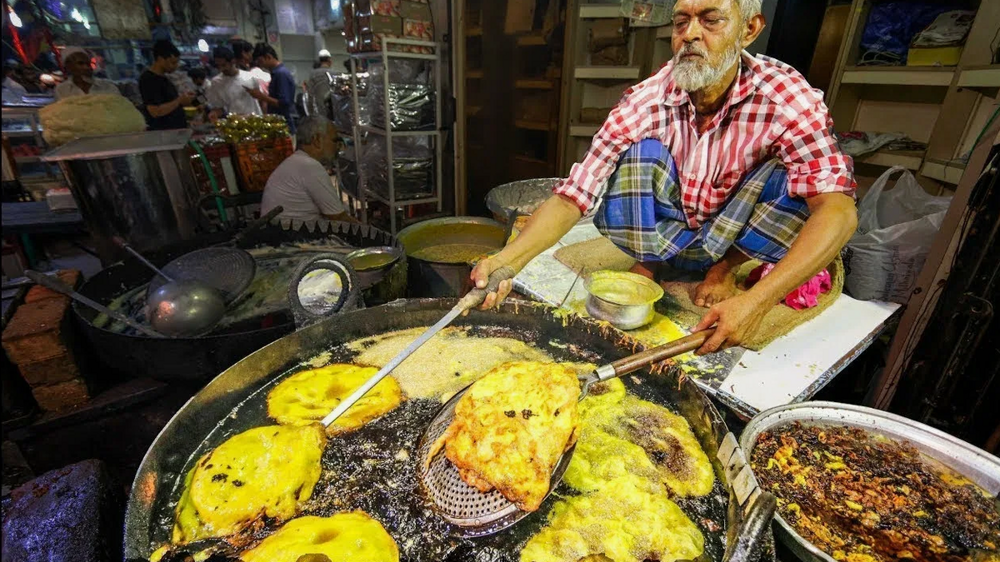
(321, 190)
(283, 90)
(155, 91)
(627, 123)
(810, 152)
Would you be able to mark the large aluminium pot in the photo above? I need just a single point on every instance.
(435, 279)
(138, 186)
(234, 401)
(203, 357)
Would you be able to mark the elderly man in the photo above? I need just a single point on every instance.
(81, 81)
(301, 184)
(718, 158)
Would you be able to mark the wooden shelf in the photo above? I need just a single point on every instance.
(474, 32)
(535, 40)
(606, 72)
(534, 84)
(909, 159)
(530, 160)
(980, 77)
(474, 74)
(533, 125)
(944, 171)
(583, 130)
(473, 110)
(899, 75)
(594, 12)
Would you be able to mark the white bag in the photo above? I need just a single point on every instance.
(895, 231)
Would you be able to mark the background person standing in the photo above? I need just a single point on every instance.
(164, 106)
(280, 97)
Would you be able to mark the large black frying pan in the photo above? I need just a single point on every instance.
(203, 357)
(235, 401)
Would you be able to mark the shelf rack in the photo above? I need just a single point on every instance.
(363, 194)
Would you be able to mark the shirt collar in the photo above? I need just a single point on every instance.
(746, 83)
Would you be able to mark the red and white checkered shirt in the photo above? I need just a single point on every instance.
(771, 112)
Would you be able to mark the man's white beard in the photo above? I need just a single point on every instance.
(698, 74)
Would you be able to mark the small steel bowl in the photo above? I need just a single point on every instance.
(623, 299)
(371, 264)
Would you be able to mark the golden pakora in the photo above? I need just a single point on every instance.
(308, 396)
(266, 471)
(511, 428)
(344, 537)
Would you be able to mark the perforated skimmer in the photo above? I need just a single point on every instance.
(477, 514)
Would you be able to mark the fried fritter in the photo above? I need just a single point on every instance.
(266, 471)
(511, 427)
(308, 396)
(344, 537)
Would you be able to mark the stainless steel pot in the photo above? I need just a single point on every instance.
(973, 463)
(625, 314)
(138, 186)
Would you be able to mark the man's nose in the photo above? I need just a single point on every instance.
(693, 31)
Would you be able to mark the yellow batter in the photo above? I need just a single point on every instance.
(347, 537)
(452, 253)
(447, 363)
(631, 456)
(266, 471)
(308, 396)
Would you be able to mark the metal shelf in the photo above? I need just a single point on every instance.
(606, 72)
(980, 77)
(583, 130)
(600, 12)
(901, 75)
(386, 41)
(382, 132)
(402, 203)
(909, 159)
(944, 171)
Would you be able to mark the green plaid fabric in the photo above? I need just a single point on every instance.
(642, 213)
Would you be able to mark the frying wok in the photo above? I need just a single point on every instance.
(202, 357)
(389, 493)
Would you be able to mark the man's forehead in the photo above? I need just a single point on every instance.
(694, 7)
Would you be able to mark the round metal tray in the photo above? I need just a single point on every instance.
(973, 463)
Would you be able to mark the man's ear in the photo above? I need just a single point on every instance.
(753, 29)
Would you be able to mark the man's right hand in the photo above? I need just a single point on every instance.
(480, 277)
(185, 99)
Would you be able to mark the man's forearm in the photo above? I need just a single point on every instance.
(164, 108)
(545, 227)
(832, 220)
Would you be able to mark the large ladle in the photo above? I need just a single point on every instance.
(180, 307)
(58, 286)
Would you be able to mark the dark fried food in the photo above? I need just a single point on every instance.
(864, 498)
(511, 427)
(266, 471)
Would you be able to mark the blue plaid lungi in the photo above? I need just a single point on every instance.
(642, 213)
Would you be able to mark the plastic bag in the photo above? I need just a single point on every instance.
(895, 232)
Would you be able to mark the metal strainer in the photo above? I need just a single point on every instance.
(477, 514)
(228, 270)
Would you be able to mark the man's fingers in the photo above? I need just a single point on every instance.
(714, 342)
(506, 286)
(707, 321)
(480, 275)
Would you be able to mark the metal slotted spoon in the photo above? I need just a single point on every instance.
(478, 514)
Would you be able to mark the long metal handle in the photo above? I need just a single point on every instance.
(666, 351)
(58, 286)
(124, 245)
(752, 529)
(471, 299)
(256, 225)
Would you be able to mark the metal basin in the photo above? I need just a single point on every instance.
(973, 463)
(624, 299)
(436, 277)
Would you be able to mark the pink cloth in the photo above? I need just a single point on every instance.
(806, 295)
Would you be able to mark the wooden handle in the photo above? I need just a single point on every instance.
(665, 351)
(476, 296)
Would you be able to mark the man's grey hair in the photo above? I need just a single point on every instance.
(311, 127)
(749, 8)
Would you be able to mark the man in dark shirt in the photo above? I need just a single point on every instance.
(164, 106)
(280, 96)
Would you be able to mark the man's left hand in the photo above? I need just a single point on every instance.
(735, 319)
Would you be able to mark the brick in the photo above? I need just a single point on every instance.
(35, 332)
(71, 277)
(61, 396)
(57, 369)
(73, 514)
